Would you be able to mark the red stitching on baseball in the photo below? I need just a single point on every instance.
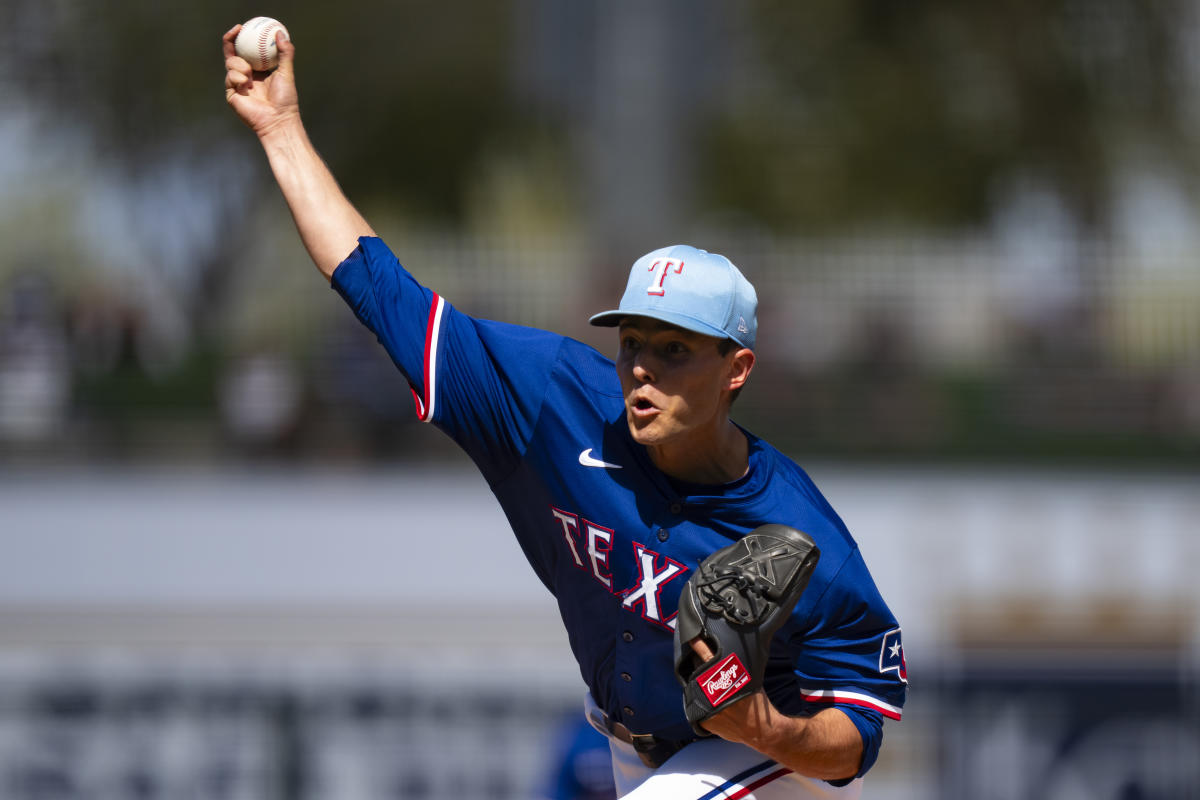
(264, 41)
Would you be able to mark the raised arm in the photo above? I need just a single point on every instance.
(328, 224)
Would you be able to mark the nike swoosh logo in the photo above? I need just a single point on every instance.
(585, 458)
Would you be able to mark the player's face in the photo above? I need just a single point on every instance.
(676, 382)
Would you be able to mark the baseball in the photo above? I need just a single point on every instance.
(255, 42)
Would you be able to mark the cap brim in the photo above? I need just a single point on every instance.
(607, 319)
(611, 319)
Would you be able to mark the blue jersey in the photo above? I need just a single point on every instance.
(612, 537)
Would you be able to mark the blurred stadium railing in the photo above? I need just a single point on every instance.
(900, 346)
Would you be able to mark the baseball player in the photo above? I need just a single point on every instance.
(620, 480)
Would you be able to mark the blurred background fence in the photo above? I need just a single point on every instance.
(973, 229)
(908, 347)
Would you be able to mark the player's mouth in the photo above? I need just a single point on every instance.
(640, 407)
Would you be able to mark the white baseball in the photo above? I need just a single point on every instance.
(255, 42)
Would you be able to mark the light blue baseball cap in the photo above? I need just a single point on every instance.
(694, 289)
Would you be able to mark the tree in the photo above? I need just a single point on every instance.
(869, 112)
(409, 96)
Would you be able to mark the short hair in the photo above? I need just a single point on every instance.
(725, 347)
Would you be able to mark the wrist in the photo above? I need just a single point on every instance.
(284, 133)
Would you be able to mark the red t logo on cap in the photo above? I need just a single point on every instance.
(656, 285)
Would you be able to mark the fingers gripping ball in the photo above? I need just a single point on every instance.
(736, 600)
(255, 42)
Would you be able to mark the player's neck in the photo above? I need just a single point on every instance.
(712, 459)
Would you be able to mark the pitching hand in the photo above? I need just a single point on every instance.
(263, 100)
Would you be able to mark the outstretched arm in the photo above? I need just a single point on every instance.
(328, 224)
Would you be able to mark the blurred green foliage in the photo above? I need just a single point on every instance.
(911, 114)
(409, 94)
(855, 113)
(828, 118)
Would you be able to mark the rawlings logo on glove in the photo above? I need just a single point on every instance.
(730, 676)
(735, 601)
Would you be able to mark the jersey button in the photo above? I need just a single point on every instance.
(663, 534)
(627, 711)
(627, 636)
(625, 676)
(676, 508)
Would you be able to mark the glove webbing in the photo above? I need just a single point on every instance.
(732, 593)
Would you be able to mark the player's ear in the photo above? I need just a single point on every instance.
(740, 367)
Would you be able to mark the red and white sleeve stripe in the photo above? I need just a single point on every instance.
(851, 698)
(427, 402)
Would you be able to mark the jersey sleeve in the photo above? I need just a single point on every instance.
(870, 727)
(850, 652)
(481, 382)
(850, 655)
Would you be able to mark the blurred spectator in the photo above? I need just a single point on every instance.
(1184, 400)
(260, 399)
(35, 377)
(102, 332)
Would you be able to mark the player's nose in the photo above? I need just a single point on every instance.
(643, 368)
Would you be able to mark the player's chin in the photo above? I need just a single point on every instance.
(643, 430)
(648, 432)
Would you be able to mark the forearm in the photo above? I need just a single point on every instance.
(328, 223)
(826, 745)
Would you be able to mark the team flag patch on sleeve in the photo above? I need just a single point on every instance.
(891, 655)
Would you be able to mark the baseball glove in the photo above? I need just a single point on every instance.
(736, 600)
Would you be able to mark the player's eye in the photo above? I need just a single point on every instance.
(675, 348)
(629, 343)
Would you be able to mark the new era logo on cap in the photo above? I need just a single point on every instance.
(692, 288)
